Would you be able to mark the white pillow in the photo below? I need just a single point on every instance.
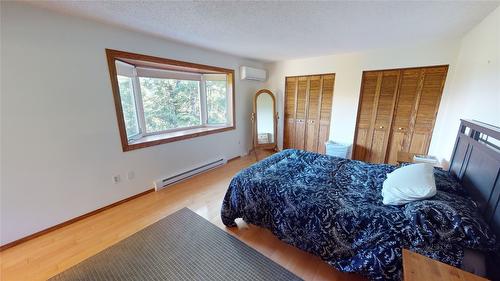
(409, 183)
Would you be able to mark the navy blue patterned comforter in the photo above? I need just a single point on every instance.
(332, 207)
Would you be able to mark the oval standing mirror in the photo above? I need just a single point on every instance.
(264, 117)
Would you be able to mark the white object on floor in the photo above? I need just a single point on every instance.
(409, 183)
(337, 149)
(241, 224)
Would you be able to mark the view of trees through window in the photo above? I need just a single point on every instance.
(159, 100)
(128, 105)
(170, 103)
(216, 101)
(163, 101)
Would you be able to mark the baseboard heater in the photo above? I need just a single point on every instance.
(162, 183)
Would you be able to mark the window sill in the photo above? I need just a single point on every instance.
(173, 136)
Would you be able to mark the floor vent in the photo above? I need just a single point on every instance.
(162, 183)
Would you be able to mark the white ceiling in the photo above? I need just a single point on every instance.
(285, 30)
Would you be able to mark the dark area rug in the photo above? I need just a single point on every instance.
(182, 246)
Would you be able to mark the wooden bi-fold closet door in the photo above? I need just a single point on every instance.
(405, 119)
(308, 106)
(378, 96)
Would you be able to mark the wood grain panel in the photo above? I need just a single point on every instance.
(314, 106)
(312, 134)
(395, 145)
(384, 108)
(324, 134)
(364, 127)
(386, 99)
(397, 111)
(420, 142)
(360, 150)
(417, 267)
(300, 134)
(369, 86)
(431, 96)
(308, 107)
(290, 105)
(403, 112)
(407, 97)
(427, 108)
(377, 153)
(301, 113)
(326, 111)
(301, 98)
(327, 97)
(290, 89)
(289, 133)
(314, 95)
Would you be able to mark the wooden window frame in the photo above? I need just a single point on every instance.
(169, 64)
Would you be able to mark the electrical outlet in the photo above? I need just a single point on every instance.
(130, 175)
(116, 179)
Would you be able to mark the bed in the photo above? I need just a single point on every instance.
(332, 207)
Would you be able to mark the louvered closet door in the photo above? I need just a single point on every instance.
(325, 113)
(289, 123)
(308, 107)
(384, 104)
(313, 109)
(364, 129)
(397, 112)
(427, 108)
(411, 83)
(301, 113)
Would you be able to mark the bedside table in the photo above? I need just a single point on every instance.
(419, 268)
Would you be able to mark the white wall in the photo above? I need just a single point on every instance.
(476, 85)
(60, 144)
(472, 89)
(348, 69)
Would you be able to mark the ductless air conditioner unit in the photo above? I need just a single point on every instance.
(250, 73)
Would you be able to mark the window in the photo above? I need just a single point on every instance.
(170, 104)
(216, 90)
(128, 105)
(161, 100)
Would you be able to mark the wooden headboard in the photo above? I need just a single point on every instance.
(476, 163)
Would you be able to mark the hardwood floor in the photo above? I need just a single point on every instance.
(47, 255)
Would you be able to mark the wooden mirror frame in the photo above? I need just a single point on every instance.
(256, 144)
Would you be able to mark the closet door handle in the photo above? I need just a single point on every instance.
(401, 128)
(381, 127)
